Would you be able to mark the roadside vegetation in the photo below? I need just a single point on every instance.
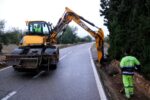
(128, 22)
(70, 36)
(8, 37)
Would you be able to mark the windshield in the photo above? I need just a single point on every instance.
(38, 28)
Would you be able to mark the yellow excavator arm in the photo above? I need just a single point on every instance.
(69, 16)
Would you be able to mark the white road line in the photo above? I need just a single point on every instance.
(65, 55)
(5, 68)
(98, 82)
(9, 95)
(40, 73)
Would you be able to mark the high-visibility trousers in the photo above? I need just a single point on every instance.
(128, 85)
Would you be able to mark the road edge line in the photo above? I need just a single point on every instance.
(9, 95)
(5, 68)
(97, 78)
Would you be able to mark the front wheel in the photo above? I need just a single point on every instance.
(53, 66)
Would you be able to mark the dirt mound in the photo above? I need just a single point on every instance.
(2, 61)
(111, 76)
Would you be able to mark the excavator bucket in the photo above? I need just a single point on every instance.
(21, 63)
(28, 63)
(33, 59)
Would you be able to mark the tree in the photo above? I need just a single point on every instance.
(12, 36)
(86, 39)
(2, 26)
(69, 36)
(128, 22)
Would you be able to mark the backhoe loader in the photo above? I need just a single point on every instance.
(37, 50)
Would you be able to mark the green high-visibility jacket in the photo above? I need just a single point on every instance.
(128, 64)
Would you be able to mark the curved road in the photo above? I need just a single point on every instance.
(74, 79)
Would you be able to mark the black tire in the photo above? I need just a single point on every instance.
(16, 70)
(53, 66)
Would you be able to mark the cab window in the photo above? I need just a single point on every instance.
(45, 29)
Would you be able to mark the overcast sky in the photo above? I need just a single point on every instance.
(16, 12)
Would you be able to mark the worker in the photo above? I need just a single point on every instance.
(128, 65)
(37, 28)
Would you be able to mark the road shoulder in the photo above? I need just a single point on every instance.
(112, 81)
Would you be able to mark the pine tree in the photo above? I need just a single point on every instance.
(128, 22)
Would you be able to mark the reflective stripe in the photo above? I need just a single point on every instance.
(127, 69)
(127, 73)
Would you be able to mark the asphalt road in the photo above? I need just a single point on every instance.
(74, 79)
